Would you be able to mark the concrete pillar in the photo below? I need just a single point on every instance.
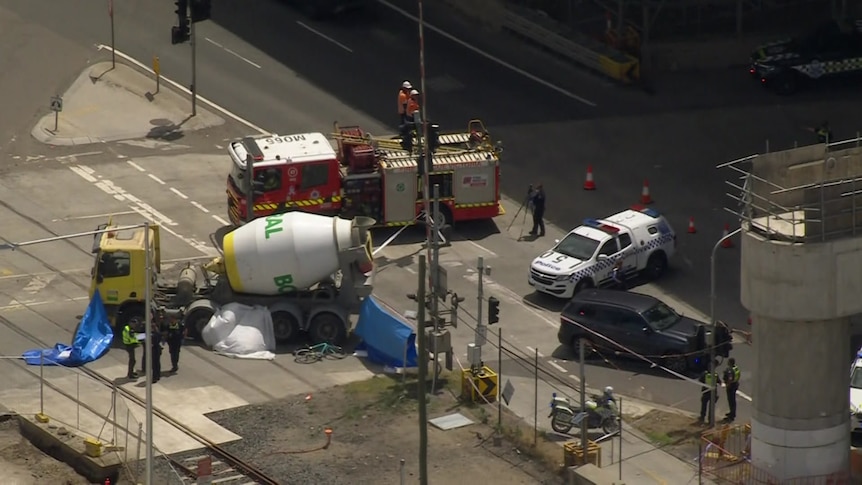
(799, 296)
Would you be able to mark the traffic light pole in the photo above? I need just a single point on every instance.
(194, 87)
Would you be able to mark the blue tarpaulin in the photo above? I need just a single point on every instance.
(92, 340)
(385, 336)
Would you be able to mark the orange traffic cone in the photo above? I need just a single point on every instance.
(589, 184)
(691, 228)
(645, 197)
(727, 243)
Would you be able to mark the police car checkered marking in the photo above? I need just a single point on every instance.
(816, 69)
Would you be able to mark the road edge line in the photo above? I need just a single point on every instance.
(184, 89)
(490, 57)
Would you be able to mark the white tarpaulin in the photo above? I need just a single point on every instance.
(241, 331)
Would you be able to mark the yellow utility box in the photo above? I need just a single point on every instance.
(479, 385)
(573, 454)
(92, 447)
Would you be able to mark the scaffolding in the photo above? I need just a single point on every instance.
(802, 195)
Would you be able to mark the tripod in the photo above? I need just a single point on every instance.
(522, 208)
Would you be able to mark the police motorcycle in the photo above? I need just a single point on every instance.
(601, 412)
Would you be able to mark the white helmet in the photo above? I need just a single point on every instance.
(609, 390)
(414, 92)
(406, 85)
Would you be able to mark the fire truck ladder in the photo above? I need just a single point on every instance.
(476, 138)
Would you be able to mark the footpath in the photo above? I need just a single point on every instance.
(112, 104)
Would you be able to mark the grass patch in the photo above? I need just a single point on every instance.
(659, 438)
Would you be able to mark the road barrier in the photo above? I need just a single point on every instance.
(573, 46)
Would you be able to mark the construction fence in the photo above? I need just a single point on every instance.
(77, 407)
(725, 457)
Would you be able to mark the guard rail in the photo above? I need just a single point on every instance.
(573, 46)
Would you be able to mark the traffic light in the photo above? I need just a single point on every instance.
(180, 33)
(493, 310)
(201, 10)
(433, 137)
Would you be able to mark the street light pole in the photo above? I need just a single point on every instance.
(712, 323)
(148, 353)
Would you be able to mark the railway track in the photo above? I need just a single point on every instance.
(227, 468)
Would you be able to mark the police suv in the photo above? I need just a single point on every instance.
(833, 51)
(640, 237)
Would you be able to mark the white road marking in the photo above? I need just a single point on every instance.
(483, 248)
(410, 270)
(139, 206)
(21, 305)
(557, 366)
(199, 206)
(182, 195)
(137, 167)
(490, 57)
(38, 284)
(511, 296)
(321, 34)
(156, 178)
(744, 396)
(576, 378)
(94, 216)
(533, 351)
(220, 220)
(220, 46)
(185, 90)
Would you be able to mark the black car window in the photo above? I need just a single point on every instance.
(632, 322)
(609, 316)
(609, 248)
(625, 241)
(661, 316)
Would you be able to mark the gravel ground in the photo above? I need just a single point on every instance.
(373, 427)
(21, 463)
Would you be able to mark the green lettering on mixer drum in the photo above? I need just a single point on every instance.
(284, 283)
(273, 225)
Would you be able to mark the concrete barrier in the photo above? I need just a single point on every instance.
(591, 475)
(70, 449)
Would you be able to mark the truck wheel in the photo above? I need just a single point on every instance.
(197, 321)
(656, 265)
(584, 284)
(327, 327)
(285, 326)
(675, 362)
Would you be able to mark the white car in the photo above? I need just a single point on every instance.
(856, 394)
(639, 237)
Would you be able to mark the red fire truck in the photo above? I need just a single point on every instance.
(357, 174)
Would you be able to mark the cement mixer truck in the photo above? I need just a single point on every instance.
(311, 271)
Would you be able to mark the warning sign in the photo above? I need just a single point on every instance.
(474, 181)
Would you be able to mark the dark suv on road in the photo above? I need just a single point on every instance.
(621, 323)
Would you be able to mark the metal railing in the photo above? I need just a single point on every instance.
(805, 194)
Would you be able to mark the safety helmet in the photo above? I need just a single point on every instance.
(609, 390)
(414, 92)
(406, 85)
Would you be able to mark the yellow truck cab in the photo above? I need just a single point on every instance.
(120, 269)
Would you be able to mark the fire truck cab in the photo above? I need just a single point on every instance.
(362, 175)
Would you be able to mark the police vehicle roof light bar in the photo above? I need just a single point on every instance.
(646, 210)
(595, 223)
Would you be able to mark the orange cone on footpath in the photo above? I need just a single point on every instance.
(727, 243)
(589, 184)
(691, 228)
(645, 197)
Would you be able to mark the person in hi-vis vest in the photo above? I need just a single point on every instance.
(403, 100)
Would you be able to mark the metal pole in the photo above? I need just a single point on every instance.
(42, 384)
(56, 120)
(424, 149)
(581, 352)
(126, 443)
(480, 298)
(712, 324)
(194, 88)
(536, 400)
(113, 48)
(499, 380)
(140, 439)
(434, 280)
(423, 363)
(620, 461)
(114, 408)
(148, 352)
(78, 407)
(403, 472)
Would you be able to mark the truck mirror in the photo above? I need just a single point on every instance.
(601, 257)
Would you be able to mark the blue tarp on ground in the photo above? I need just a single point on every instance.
(385, 336)
(92, 340)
